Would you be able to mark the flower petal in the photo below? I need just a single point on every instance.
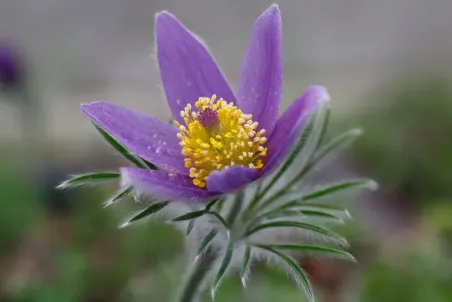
(164, 186)
(261, 80)
(143, 135)
(187, 69)
(231, 179)
(291, 122)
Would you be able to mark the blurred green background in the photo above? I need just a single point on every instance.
(385, 64)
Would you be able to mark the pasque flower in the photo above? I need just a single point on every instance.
(11, 72)
(220, 140)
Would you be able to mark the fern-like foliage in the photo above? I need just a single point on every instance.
(251, 225)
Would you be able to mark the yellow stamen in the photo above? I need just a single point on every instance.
(217, 135)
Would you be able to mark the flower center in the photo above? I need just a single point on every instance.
(217, 135)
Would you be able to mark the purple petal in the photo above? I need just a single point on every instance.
(291, 122)
(11, 65)
(231, 179)
(260, 84)
(164, 186)
(141, 134)
(187, 68)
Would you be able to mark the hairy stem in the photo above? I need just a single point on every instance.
(192, 288)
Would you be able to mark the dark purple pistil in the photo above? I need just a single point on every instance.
(208, 118)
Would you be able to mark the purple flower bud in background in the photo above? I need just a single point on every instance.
(11, 69)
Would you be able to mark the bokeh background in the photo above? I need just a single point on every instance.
(387, 65)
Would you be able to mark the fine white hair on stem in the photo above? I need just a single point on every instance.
(73, 182)
(273, 260)
(280, 235)
(127, 222)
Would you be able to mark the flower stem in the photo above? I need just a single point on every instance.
(191, 289)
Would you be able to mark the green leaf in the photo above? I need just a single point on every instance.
(298, 148)
(337, 143)
(321, 207)
(279, 213)
(223, 269)
(311, 248)
(211, 204)
(339, 187)
(298, 208)
(288, 162)
(190, 216)
(219, 205)
(245, 265)
(220, 219)
(318, 214)
(304, 281)
(190, 226)
(308, 145)
(310, 213)
(83, 179)
(326, 120)
(149, 164)
(236, 207)
(206, 241)
(152, 209)
(124, 192)
(315, 139)
(302, 205)
(300, 225)
(120, 148)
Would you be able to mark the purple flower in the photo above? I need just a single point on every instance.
(220, 140)
(10, 66)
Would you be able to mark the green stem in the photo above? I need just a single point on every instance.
(191, 289)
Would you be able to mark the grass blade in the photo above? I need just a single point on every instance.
(223, 269)
(152, 209)
(339, 187)
(304, 281)
(297, 224)
(83, 179)
(245, 265)
(311, 248)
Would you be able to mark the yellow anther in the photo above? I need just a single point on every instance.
(215, 135)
